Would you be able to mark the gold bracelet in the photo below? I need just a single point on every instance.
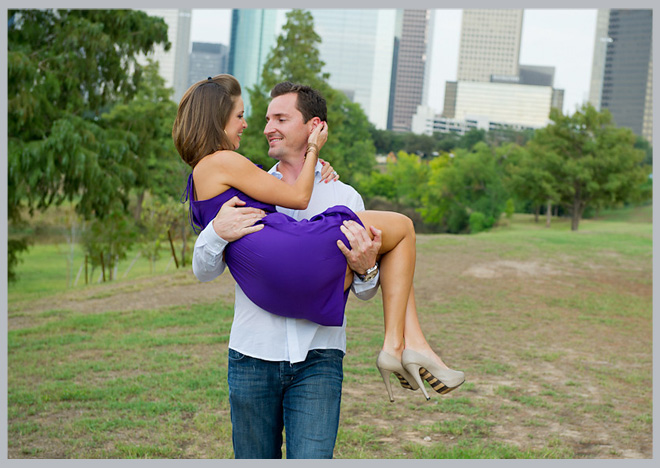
(311, 146)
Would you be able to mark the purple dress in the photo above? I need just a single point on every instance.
(289, 268)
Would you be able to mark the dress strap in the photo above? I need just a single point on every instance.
(188, 195)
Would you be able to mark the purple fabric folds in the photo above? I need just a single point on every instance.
(289, 268)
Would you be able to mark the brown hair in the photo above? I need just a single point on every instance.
(310, 103)
(204, 110)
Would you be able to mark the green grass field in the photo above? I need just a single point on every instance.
(553, 329)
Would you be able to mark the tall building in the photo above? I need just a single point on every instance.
(627, 90)
(207, 59)
(492, 85)
(174, 64)
(253, 35)
(598, 61)
(357, 48)
(490, 44)
(413, 41)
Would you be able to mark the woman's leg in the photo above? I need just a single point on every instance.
(397, 268)
(398, 253)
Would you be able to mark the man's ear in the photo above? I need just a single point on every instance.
(315, 121)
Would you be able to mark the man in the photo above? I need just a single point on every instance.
(283, 372)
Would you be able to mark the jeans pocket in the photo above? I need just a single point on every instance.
(235, 356)
(326, 354)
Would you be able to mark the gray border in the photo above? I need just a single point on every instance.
(282, 4)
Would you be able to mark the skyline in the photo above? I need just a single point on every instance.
(546, 36)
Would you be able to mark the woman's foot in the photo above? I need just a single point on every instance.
(441, 378)
(388, 364)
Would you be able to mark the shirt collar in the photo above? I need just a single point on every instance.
(317, 170)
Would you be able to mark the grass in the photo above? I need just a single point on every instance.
(558, 361)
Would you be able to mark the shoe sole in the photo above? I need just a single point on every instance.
(404, 383)
(436, 384)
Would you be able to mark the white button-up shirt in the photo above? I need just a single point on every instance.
(258, 333)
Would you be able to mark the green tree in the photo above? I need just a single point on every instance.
(65, 69)
(594, 162)
(146, 120)
(529, 178)
(377, 185)
(411, 176)
(296, 58)
(470, 182)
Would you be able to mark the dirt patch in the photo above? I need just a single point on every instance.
(510, 268)
(178, 289)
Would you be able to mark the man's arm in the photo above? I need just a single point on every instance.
(361, 257)
(232, 222)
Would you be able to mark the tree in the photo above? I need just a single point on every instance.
(529, 178)
(296, 58)
(411, 176)
(147, 119)
(66, 68)
(468, 183)
(594, 162)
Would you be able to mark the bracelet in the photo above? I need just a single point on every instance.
(311, 146)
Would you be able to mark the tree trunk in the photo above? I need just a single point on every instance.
(184, 239)
(548, 214)
(576, 215)
(138, 205)
(537, 210)
(169, 235)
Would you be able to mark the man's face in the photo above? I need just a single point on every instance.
(286, 132)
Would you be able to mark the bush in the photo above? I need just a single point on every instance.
(477, 222)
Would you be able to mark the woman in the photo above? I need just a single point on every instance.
(207, 130)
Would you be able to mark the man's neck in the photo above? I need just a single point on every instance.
(290, 168)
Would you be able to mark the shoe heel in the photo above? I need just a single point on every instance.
(413, 369)
(385, 374)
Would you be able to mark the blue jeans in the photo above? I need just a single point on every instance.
(303, 398)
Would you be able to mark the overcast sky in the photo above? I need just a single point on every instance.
(563, 39)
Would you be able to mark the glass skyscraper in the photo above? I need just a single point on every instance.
(627, 89)
(253, 35)
(357, 48)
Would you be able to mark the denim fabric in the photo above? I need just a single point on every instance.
(303, 398)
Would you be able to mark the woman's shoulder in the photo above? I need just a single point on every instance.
(219, 158)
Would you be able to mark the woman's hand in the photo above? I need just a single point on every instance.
(328, 173)
(319, 135)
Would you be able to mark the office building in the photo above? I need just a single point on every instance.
(490, 44)
(253, 35)
(174, 63)
(598, 61)
(207, 59)
(426, 122)
(627, 77)
(357, 48)
(492, 86)
(413, 41)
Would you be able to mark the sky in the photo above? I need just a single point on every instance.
(560, 38)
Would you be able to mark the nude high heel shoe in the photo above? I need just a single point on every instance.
(420, 367)
(388, 364)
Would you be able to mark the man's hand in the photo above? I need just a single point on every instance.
(233, 222)
(364, 250)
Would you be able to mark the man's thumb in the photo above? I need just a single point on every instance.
(234, 201)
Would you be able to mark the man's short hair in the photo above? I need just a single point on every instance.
(310, 103)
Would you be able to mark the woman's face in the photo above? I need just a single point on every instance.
(236, 123)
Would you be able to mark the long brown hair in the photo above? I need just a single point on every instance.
(205, 108)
